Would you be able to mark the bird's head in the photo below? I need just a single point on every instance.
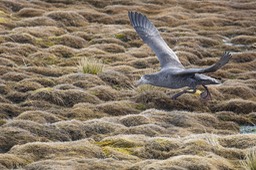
(146, 79)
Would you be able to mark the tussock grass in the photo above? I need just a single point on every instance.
(91, 65)
(250, 160)
(212, 140)
(148, 88)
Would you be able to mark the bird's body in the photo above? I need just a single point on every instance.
(172, 74)
(166, 78)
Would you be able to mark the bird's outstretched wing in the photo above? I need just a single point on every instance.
(223, 60)
(150, 35)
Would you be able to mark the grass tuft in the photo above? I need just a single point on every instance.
(148, 88)
(250, 160)
(90, 65)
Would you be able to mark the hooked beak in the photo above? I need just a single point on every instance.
(137, 83)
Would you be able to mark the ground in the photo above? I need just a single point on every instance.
(55, 116)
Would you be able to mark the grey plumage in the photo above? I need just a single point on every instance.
(172, 73)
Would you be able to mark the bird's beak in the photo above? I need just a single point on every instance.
(137, 83)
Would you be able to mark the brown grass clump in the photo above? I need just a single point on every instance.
(243, 39)
(45, 71)
(115, 79)
(37, 21)
(7, 62)
(240, 141)
(74, 129)
(67, 18)
(62, 51)
(30, 12)
(159, 100)
(244, 57)
(43, 59)
(9, 110)
(188, 162)
(235, 91)
(15, 60)
(147, 129)
(108, 163)
(81, 80)
(20, 38)
(68, 40)
(233, 117)
(116, 108)
(38, 116)
(4, 89)
(40, 131)
(14, 76)
(27, 85)
(11, 161)
(58, 150)
(134, 120)
(93, 16)
(188, 58)
(111, 47)
(105, 93)
(40, 31)
(44, 81)
(13, 5)
(98, 128)
(63, 97)
(235, 105)
(16, 97)
(84, 111)
(11, 136)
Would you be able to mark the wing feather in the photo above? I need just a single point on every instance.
(223, 60)
(150, 35)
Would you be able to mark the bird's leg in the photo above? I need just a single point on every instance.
(174, 97)
(206, 95)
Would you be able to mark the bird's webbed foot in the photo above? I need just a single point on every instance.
(206, 95)
(174, 97)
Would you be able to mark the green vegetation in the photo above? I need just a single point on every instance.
(91, 65)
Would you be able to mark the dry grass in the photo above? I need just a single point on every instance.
(90, 66)
(148, 88)
(250, 160)
(60, 108)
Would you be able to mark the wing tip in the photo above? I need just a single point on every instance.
(136, 18)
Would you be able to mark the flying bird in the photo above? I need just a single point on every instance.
(172, 74)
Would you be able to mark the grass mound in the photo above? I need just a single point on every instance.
(67, 18)
(11, 136)
(81, 80)
(236, 105)
(38, 116)
(63, 97)
(109, 163)
(30, 12)
(37, 21)
(105, 93)
(117, 108)
(39, 150)
(116, 79)
(26, 85)
(90, 66)
(42, 132)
